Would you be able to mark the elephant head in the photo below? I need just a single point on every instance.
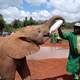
(36, 33)
(27, 40)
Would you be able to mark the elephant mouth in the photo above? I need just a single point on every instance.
(37, 41)
(42, 40)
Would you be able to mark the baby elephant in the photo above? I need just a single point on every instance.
(14, 48)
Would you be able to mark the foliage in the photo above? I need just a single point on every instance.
(9, 28)
(2, 24)
(30, 21)
(17, 24)
(25, 22)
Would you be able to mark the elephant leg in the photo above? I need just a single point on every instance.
(23, 69)
(7, 69)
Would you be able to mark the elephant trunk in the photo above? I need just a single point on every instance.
(47, 25)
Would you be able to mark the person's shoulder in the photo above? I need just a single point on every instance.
(68, 33)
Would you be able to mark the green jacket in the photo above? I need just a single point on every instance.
(73, 63)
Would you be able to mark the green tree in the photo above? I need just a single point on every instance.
(25, 22)
(32, 22)
(2, 24)
(9, 28)
(29, 21)
(17, 24)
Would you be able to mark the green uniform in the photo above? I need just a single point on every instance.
(73, 63)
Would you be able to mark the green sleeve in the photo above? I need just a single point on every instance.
(65, 35)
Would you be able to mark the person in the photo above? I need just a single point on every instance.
(73, 63)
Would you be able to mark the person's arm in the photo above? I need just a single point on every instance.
(60, 32)
(62, 35)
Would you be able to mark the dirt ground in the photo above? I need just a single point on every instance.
(49, 69)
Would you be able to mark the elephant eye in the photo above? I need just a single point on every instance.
(39, 31)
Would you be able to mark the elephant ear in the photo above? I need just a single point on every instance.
(19, 48)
